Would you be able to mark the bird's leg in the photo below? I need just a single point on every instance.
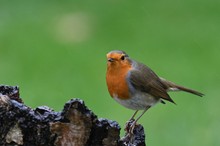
(127, 123)
(133, 115)
(134, 123)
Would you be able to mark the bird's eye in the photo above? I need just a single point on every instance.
(123, 57)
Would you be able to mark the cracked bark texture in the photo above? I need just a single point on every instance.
(75, 125)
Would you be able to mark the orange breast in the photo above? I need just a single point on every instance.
(116, 82)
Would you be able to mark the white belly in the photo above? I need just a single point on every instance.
(138, 102)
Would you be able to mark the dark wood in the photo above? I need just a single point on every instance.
(75, 125)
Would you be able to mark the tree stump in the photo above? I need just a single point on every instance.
(75, 125)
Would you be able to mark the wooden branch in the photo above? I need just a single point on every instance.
(75, 125)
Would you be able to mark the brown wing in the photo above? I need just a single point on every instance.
(144, 79)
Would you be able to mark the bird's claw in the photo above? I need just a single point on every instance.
(128, 125)
(131, 129)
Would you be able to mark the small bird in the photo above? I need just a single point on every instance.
(136, 86)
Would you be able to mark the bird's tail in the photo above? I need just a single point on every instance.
(173, 87)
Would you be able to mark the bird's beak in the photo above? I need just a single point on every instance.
(110, 59)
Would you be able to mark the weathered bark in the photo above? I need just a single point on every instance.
(75, 125)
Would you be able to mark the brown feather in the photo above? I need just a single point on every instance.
(144, 79)
(173, 86)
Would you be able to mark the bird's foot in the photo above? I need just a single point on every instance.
(135, 136)
(129, 128)
(129, 131)
(128, 125)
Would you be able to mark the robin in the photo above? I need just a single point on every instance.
(136, 86)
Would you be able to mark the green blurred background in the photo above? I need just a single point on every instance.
(55, 51)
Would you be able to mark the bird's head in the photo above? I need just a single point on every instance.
(118, 59)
